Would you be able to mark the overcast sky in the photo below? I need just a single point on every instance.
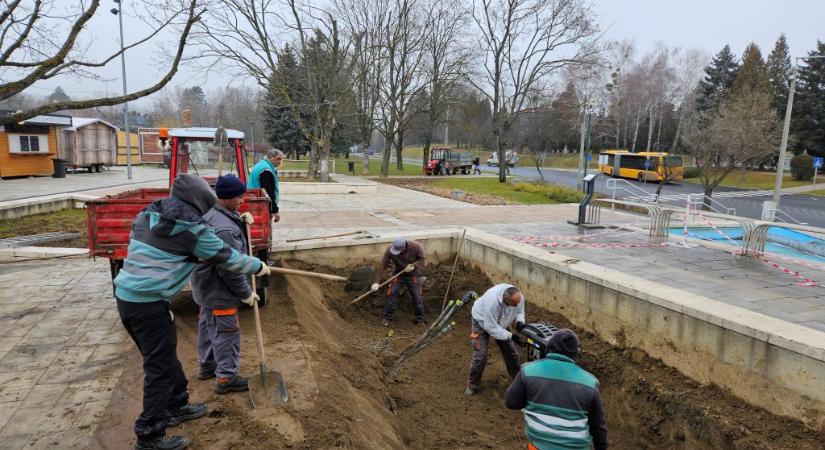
(705, 24)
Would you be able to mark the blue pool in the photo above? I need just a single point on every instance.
(790, 243)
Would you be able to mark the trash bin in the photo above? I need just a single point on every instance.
(351, 167)
(59, 168)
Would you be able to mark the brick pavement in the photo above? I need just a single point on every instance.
(61, 352)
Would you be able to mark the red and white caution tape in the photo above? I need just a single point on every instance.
(550, 242)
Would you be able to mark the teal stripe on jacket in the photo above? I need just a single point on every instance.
(255, 177)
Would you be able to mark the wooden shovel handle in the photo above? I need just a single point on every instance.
(304, 273)
(365, 294)
(258, 334)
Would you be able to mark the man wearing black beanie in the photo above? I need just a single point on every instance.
(560, 400)
(219, 293)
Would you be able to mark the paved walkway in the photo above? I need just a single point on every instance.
(61, 352)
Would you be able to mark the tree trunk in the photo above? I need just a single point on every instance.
(425, 154)
(323, 159)
(385, 157)
(618, 128)
(312, 164)
(678, 131)
(399, 147)
(651, 123)
(502, 163)
(708, 196)
(636, 132)
(659, 132)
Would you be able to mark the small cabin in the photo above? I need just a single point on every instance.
(89, 143)
(121, 148)
(27, 148)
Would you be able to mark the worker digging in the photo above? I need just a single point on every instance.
(167, 237)
(219, 293)
(495, 311)
(407, 257)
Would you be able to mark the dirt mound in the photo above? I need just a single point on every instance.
(333, 362)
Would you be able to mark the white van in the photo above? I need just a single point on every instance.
(509, 155)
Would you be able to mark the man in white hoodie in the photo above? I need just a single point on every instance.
(493, 313)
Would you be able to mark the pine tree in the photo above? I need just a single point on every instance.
(282, 128)
(779, 73)
(718, 81)
(752, 75)
(58, 95)
(808, 111)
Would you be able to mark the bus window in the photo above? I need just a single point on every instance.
(635, 162)
(673, 161)
(611, 158)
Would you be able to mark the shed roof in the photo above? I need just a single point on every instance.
(80, 122)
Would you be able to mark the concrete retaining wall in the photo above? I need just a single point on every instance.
(771, 363)
(41, 205)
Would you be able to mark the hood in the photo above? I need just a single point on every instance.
(195, 191)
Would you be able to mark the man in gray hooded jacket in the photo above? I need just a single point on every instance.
(220, 292)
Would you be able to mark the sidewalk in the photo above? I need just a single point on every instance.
(804, 189)
(31, 187)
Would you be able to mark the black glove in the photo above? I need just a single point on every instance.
(519, 326)
(469, 297)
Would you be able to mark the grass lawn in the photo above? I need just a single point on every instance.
(524, 193)
(553, 160)
(374, 167)
(69, 220)
(753, 180)
(819, 192)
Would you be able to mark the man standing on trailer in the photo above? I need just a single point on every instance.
(499, 307)
(220, 292)
(167, 239)
(264, 175)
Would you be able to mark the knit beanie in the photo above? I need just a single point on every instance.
(564, 342)
(229, 186)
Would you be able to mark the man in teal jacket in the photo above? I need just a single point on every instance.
(560, 400)
(264, 175)
(168, 238)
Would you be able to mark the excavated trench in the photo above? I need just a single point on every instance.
(333, 361)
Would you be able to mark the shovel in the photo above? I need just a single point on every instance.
(365, 294)
(267, 388)
(358, 280)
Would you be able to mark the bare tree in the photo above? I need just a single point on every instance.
(522, 43)
(689, 68)
(244, 34)
(744, 131)
(445, 60)
(40, 41)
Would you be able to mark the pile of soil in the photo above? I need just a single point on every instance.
(426, 185)
(333, 361)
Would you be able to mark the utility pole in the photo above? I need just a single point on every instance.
(783, 146)
(447, 126)
(128, 136)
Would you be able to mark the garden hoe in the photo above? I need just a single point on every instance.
(358, 280)
(267, 388)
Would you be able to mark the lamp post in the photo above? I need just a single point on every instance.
(590, 103)
(127, 135)
(783, 146)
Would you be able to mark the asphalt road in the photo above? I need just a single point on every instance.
(805, 208)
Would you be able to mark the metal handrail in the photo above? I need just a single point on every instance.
(699, 199)
(792, 218)
(629, 188)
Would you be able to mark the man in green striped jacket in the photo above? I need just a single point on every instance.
(560, 400)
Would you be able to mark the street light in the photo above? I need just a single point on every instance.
(590, 103)
(783, 146)
(118, 13)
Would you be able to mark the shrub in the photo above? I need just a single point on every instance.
(556, 193)
(802, 167)
(691, 172)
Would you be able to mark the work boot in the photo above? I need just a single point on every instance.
(469, 391)
(420, 322)
(234, 384)
(386, 322)
(187, 412)
(162, 443)
(206, 372)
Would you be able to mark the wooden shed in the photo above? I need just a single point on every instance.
(27, 148)
(121, 148)
(89, 143)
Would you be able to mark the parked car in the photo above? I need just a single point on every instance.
(510, 156)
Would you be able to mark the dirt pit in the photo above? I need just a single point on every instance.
(333, 362)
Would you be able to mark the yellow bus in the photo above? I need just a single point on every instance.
(642, 166)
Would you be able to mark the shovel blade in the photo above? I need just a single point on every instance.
(267, 389)
(360, 279)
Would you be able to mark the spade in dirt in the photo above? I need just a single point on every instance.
(266, 388)
(359, 280)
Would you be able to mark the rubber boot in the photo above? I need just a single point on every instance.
(234, 384)
(206, 372)
(186, 412)
(163, 443)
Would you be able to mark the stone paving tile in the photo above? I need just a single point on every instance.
(44, 395)
(96, 390)
(13, 443)
(817, 325)
(16, 385)
(27, 421)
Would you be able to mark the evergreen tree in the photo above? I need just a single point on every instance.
(58, 95)
(282, 128)
(194, 99)
(718, 81)
(752, 75)
(808, 122)
(779, 73)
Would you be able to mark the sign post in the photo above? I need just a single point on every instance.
(818, 162)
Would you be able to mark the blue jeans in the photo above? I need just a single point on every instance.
(413, 284)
